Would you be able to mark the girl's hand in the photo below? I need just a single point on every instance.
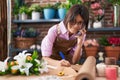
(80, 38)
(65, 63)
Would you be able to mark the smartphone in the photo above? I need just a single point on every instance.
(79, 33)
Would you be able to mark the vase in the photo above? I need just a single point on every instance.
(91, 51)
(97, 24)
(116, 15)
(112, 51)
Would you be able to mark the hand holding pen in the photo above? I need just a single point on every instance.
(64, 62)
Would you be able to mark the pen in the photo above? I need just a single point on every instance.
(61, 55)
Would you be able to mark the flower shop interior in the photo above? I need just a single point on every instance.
(23, 29)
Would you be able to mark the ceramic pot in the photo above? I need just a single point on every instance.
(35, 15)
(23, 16)
(62, 13)
(97, 24)
(91, 51)
(49, 13)
(112, 51)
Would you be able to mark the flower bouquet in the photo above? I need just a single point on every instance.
(24, 64)
(111, 46)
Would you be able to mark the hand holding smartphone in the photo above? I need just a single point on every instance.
(80, 32)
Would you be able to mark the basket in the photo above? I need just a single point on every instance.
(24, 43)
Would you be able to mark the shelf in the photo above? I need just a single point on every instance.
(104, 29)
(29, 21)
(36, 21)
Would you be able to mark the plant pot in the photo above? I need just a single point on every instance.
(49, 13)
(112, 51)
(91, 51)
(35, 15)
(23, 16)
(62, 13)
(97, 24)
(24, 43)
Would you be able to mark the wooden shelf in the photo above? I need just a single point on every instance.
(36, 21)
(104, 29)
(29, 21)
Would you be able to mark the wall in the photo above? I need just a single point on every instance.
(43, 28)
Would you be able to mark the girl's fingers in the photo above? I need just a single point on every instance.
(83, 31)
(65, 63)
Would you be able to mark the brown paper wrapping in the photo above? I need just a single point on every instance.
(87, 71)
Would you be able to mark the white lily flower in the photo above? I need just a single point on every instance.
(25, 68)
(21, 57)
(43, 69)
(43, 66)
(3, 65)
(22, 70)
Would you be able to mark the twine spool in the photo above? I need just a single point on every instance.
(101, 69)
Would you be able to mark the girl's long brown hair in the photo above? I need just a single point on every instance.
(75, 10)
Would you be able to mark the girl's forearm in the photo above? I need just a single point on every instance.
(77, 55)
(51, 61)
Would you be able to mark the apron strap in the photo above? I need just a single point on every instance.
(58, 29)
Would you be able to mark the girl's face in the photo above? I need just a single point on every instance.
(75, 26)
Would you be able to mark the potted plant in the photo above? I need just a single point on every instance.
(49, 11)
(72, 2)
(24, 38)
(111, 46)
(23, 11)
(16, 7)
(15, 11)
(62, 9)
(36, 11)
(96, 10)
(91, 47)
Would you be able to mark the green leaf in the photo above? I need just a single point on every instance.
(35, 54)
(114, 2)
(103, 41)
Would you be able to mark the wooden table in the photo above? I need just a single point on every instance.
(10, 77)
(69, 75)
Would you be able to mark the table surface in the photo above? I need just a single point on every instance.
(10, 77)
(70, 75)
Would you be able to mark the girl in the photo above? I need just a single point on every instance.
(63, 43)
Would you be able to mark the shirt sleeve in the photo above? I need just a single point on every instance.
(47, 42)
